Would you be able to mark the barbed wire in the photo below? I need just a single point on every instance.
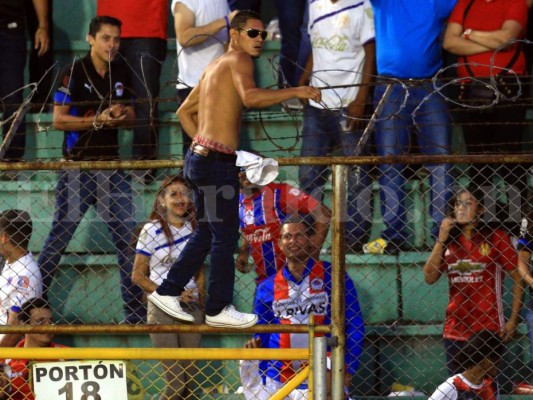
(441, 85)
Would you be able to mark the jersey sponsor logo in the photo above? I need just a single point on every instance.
(22, 282)
(65, 85)
(249, 218)
(466, 267)
(260, 236)
(88, 87)
(467, 279)
(317, 284)
(295, 192)
(168, 260)
(119, 89)
(484, 249)
(308, 304)
(333, 43)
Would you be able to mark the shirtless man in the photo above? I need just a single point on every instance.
(211, 116)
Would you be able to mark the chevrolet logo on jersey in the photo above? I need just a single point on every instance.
(466, 266)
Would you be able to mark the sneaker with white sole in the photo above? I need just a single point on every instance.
(170, 305)
(229, 317)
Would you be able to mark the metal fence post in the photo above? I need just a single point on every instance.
(338, 238)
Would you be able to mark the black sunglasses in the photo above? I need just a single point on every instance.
(253, 33)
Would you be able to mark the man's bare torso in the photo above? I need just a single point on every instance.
(220, 106)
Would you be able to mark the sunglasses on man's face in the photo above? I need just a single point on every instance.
(253, 33)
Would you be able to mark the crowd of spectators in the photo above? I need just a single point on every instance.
(97, 95)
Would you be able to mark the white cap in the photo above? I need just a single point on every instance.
(259, 171)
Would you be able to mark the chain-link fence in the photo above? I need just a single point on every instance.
(404, 317)
(431, 244)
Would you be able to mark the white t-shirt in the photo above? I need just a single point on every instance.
(193, 60)
(154, 244)
(338, 32)
(19, 282)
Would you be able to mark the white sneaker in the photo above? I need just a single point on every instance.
(229, 317)
(170, 305)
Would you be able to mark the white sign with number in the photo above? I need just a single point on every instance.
(80, 380)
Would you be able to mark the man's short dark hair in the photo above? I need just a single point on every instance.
(25, 310)
(239, 20)
(17, 225)
(483, 344)
(97, 22)
(306, 221)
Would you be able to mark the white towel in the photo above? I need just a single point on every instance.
(259, 171)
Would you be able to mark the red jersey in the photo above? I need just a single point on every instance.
(475, 278)
(140, 18)
(21, 388)
(489, 16)
(261, 218)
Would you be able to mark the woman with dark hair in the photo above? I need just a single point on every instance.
(160, 242)
(475, 257)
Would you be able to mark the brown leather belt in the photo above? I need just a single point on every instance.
(211, 154)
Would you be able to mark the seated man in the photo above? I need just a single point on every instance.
(262, 211)
(301, 288)
(15, 382)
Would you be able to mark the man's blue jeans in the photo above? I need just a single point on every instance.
(432, 127)
(12, 62)
(321, 135)
(215, 187)
(295, 43)
(145, 58)
(110, 193)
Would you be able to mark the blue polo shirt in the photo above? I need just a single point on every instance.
(409, 36)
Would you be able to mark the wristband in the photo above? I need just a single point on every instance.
(227, 22)
(15, 309)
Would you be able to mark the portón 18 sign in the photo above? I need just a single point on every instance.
(80, 380)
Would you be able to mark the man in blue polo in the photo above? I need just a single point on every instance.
(409, 50)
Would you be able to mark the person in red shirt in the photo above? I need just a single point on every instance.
(475, 258)
(15, 383)
(481, 34)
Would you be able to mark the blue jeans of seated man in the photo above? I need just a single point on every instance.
(432, 127)
(12, 62)
(145, 58)
(110, 193)
(321, 135)
(215, 186)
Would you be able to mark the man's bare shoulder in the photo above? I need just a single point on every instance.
(237, 57)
